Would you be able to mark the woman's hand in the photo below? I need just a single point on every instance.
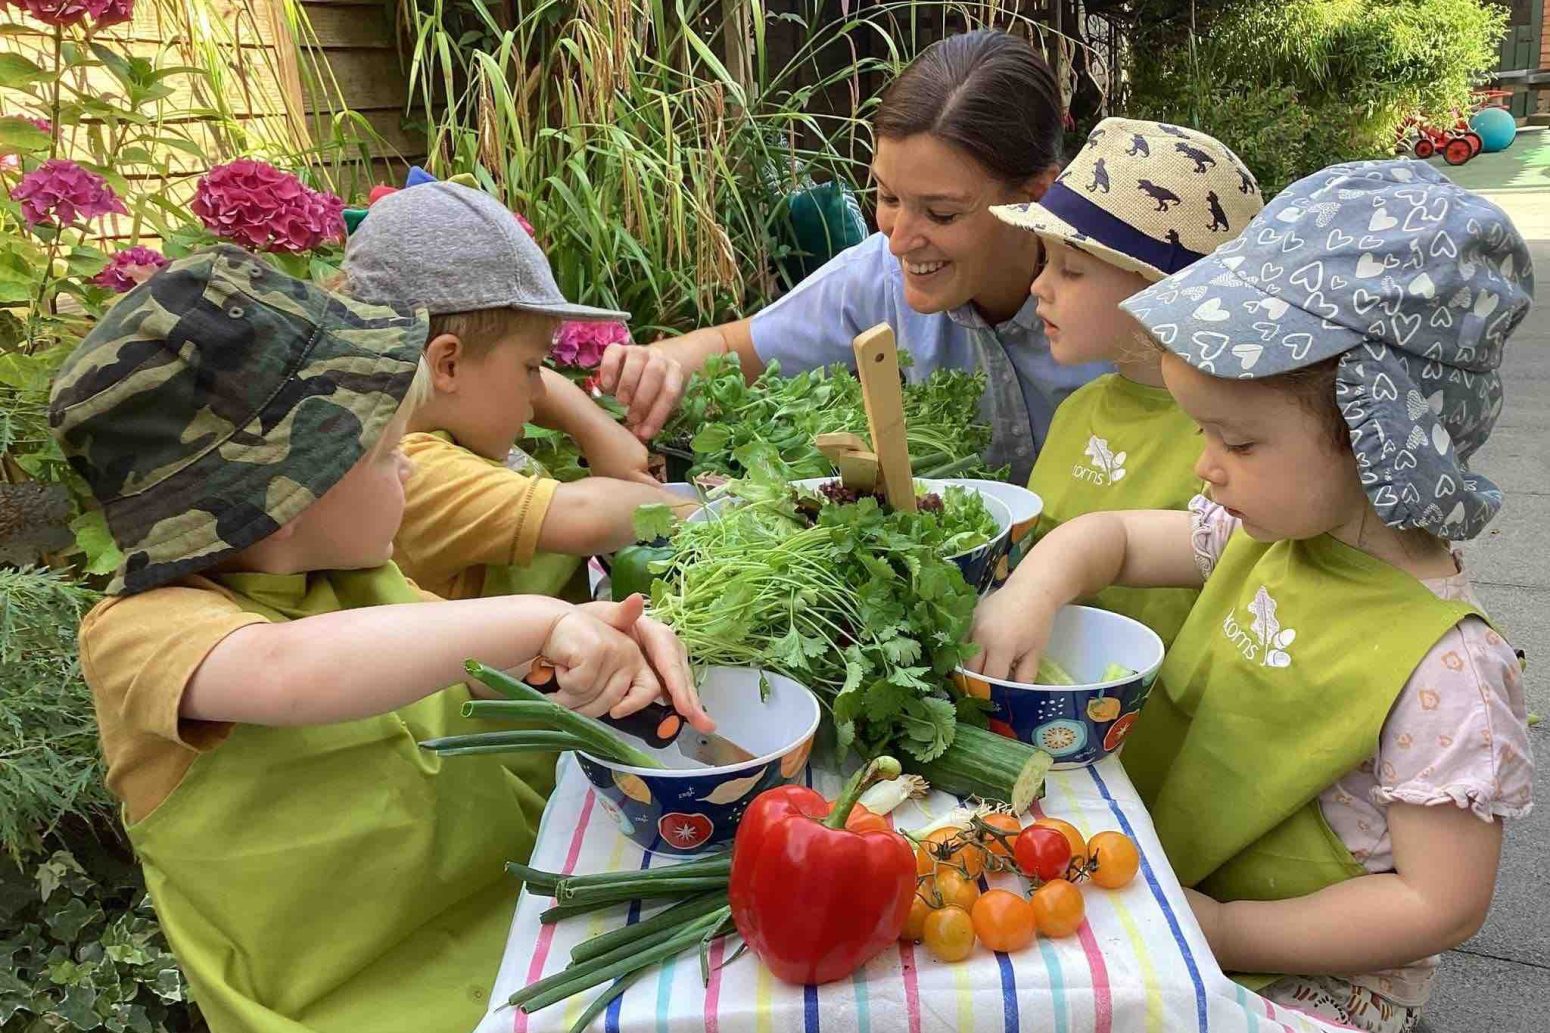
(648, 379)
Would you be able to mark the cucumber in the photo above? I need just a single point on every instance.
(984, 764)
(1114, 672)
(1051, 673)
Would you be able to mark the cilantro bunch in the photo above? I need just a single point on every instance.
(861, 606)
(735, 428)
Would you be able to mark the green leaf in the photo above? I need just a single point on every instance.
(17, 71)
(95, 541)
(68, 921)
(654, 521)
(18, 136)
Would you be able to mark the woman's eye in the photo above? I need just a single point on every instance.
(943, 218)
(887, 199)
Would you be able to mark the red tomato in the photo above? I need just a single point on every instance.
(1042, 853)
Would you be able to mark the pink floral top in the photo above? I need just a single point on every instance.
(1457, 734)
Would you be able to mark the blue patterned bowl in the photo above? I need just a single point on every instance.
(1025, 507)
(687, 808)
(1077, 724)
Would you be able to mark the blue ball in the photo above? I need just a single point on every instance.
(1496, 127)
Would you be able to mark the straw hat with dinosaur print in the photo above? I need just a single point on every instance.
(1149, 197)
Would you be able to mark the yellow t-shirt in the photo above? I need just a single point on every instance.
(462, 513)
(138, 653)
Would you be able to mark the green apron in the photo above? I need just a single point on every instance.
(336, 877)
(1117, 444)
(1277, 687)
(547, 573)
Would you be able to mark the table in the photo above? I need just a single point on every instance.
(1139, 963)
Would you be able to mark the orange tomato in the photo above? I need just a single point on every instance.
(949, 934)
(915, 924)
(1115, 859)
(1008, 826)
(1076, 839)
(964, 853)
(954, 889)
(1003, 921)
(1058, 908)
(863, 820)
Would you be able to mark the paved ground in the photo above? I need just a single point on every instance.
(1500, 980)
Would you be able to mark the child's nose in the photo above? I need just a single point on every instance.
(1207, 468)
(1040, 288)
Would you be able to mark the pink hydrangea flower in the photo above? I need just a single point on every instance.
(582, 344)
(259, 206)
(69, 12)
(526, 225)
(60, 192)
(129, 267)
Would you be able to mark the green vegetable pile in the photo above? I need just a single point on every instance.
(862, 606)
(951, 522)
(735, 428)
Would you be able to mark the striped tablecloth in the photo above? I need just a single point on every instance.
(1139, 963)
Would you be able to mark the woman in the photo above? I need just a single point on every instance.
(974, 121)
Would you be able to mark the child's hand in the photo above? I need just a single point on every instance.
(598, 665)
(666, 655)
(1012, 631)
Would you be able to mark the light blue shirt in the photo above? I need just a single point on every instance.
(814, 325)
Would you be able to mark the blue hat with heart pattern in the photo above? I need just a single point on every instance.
(1413, 281)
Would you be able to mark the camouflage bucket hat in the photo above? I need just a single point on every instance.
(221, 398)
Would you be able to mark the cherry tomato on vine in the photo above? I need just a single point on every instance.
(1042, 853)
(1058, 908)
(1008, 826)
(954, 888)
(949, 934)
(1003, 921)
(964, 852)
(1076, 839)
(1115, 859)
(915, 924)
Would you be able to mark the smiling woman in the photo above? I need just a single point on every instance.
(974, 121)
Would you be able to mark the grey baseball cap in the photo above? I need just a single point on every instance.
(451, 248)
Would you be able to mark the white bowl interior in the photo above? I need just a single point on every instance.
(765, 728)
(1086, 640)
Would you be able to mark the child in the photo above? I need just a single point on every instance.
(472, 526)
(260, 694)
(1140, 201)
(1336, 728)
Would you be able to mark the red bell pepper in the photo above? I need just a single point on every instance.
(814, 899)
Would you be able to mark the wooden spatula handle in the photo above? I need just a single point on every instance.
(877, 367)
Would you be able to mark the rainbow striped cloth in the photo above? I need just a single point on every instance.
(1139, 963)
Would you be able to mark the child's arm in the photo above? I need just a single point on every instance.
(367, 661)
(611, 450)
(651, 379)
(1141, 548)
(1445, 861)
(596, 515)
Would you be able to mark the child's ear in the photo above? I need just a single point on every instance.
(443, 354)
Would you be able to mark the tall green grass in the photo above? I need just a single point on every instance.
(651, 141)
